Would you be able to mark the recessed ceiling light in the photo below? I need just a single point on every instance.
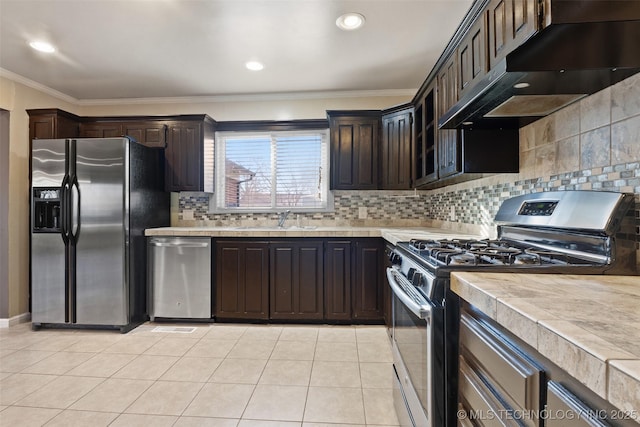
(254, 65)
(41, 46)
(350, 21)
(521, 85)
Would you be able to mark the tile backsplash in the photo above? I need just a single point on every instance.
(593, 144)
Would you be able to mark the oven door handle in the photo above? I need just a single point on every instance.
(421, 311)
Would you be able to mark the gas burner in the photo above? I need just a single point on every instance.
(443, 254)
(526, 258)
(466, 258)
(548, 256)
(423, 244)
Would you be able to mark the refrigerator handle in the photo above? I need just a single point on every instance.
(64, 211)
(75, 211)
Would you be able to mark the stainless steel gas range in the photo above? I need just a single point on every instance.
(565, 232)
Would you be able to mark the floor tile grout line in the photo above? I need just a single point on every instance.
(203, 383)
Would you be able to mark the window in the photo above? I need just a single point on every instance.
(263, 171)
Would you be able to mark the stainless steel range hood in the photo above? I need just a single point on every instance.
(570, 58)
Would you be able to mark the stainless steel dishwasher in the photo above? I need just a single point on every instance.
(179, 277)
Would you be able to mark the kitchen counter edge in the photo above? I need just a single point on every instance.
(392, 235)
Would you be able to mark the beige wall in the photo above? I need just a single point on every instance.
(17, 98)
(4, 212)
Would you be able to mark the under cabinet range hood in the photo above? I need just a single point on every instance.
(583, 46)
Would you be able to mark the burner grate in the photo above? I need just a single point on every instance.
(457, 252)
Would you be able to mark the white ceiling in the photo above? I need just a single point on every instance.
(111, 49)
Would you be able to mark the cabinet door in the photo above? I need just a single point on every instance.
(396, 151)
(183, 155)
(242, 280)
(472, 55)
(296, 280)
(151, 134)
(449, 156)
(337, 280)
(425, 147)
(511, 22)
(354, 153)
(101, 130)
(368, 279)
(52, 124)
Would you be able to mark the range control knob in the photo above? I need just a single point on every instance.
(395, 259)
(418, 279)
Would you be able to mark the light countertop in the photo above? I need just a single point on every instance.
(587, 325)
(391, 234)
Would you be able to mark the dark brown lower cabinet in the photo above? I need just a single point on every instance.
(354, 280)
(242, 280)
(300, 280)
(296, 285)
(368, 284)
(337, 276)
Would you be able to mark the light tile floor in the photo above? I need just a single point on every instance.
(220, 375)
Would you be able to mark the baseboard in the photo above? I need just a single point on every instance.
(15, 320)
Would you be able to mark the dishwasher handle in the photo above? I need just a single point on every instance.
(179, 244)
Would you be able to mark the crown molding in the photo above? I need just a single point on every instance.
(284, 96)
(37, 86)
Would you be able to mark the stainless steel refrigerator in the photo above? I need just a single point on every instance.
(91, 201)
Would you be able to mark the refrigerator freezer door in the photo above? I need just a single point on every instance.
(48, 162)
(48, 252)
(101, 286)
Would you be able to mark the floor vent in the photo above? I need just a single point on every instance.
(175, 329)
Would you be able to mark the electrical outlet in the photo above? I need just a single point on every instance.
(362, 212)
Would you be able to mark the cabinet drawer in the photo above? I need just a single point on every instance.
(566, 410)
(478, 400)
(517, 376)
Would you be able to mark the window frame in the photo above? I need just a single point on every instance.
(271, 128)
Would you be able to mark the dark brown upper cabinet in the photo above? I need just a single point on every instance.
(354, 149)
(101, 130)
(472, 55)
(189, 154)
(448, 139)
(395, 159)
(152, 133)
(425, 130)
(510, 23)
(52, 123)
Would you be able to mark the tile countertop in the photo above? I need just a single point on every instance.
(390, 234)
(587, 325)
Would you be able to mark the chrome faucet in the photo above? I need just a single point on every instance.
(283, 218)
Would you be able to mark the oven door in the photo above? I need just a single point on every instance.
(413, 353)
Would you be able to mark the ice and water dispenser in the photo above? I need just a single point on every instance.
(46, 209)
